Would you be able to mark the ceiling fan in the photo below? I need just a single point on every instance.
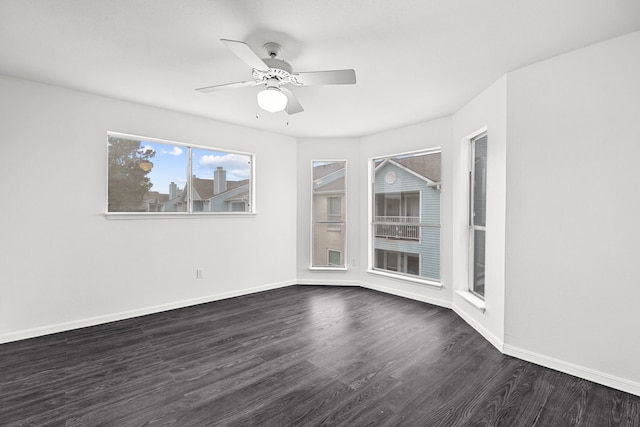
(275, 74)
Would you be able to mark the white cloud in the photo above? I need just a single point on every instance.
(176, 151)
(236, 165)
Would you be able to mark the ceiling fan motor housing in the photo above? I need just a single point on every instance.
(278, 69)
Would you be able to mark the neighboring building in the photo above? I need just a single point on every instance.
(407, 215)
(154, 201)
(208, 195)
(328, 209)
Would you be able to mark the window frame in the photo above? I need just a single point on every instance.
(332, 226)
(371, 223)
(188, 185)
(472, 227)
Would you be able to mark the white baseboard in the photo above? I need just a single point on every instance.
(313, 282)
(406, 294)
(573, 369)
(386, 290)
(494, 340)
(92, 321)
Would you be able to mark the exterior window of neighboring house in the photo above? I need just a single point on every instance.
(335, 257)
(477, 213)
(334, 213)
(238, 207)
(405, 216)
(328, 226)
(401, 262)
(151, 175)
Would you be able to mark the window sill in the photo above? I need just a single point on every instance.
(473, 300)
(404, 278)
(176, 215)
(328, 268)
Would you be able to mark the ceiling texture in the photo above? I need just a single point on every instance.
(415, 60)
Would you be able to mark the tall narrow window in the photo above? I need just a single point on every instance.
(477, 213)
(405, 215)
(328, 234)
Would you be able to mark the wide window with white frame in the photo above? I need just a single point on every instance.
(328, 214)
(405, 216)
(147, 175)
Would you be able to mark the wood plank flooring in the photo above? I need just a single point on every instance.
(297, 356)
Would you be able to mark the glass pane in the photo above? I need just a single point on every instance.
(146, 176)
(478, 262)
(406, 220)
(480, 181)
(391, 261)
(335, 258)
(221, 181)
(327, 237)
(413, 265)
(328, 213)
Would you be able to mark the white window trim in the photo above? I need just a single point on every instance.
(405, 278)
(182, 215)
(472, 227)
(473, 299)
(175, 215)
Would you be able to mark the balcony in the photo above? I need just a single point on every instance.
(397, 227)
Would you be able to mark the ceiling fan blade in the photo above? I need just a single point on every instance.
(333, 77)
(244, 52)
(293, 105)
(235, 85)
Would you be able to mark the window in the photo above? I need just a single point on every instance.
(334, 208)
(334, 213)
(150, 175)
(335, 257)
(328, 233)
(405, 215)
(477, 213)
(401, 262)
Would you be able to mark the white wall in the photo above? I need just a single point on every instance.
(436, 133)
(573, 203)
(64, 265)
(487, 111)
(310, 149)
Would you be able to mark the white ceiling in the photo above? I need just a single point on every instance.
(414, 59)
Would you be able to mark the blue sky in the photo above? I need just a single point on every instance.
(170, 165)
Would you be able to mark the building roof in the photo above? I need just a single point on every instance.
(329, 177)
(335, 185)
(204, 187)
(428, 165)
(323, 170)
(238, 197)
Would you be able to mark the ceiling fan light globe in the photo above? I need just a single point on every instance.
(272, 100)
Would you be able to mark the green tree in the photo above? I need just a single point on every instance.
(128, 181)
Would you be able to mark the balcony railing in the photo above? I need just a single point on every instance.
(397, 227)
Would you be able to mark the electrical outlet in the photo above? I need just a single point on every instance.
(199, 273)
(354, 262)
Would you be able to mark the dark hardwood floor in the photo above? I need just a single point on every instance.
(301, 355)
